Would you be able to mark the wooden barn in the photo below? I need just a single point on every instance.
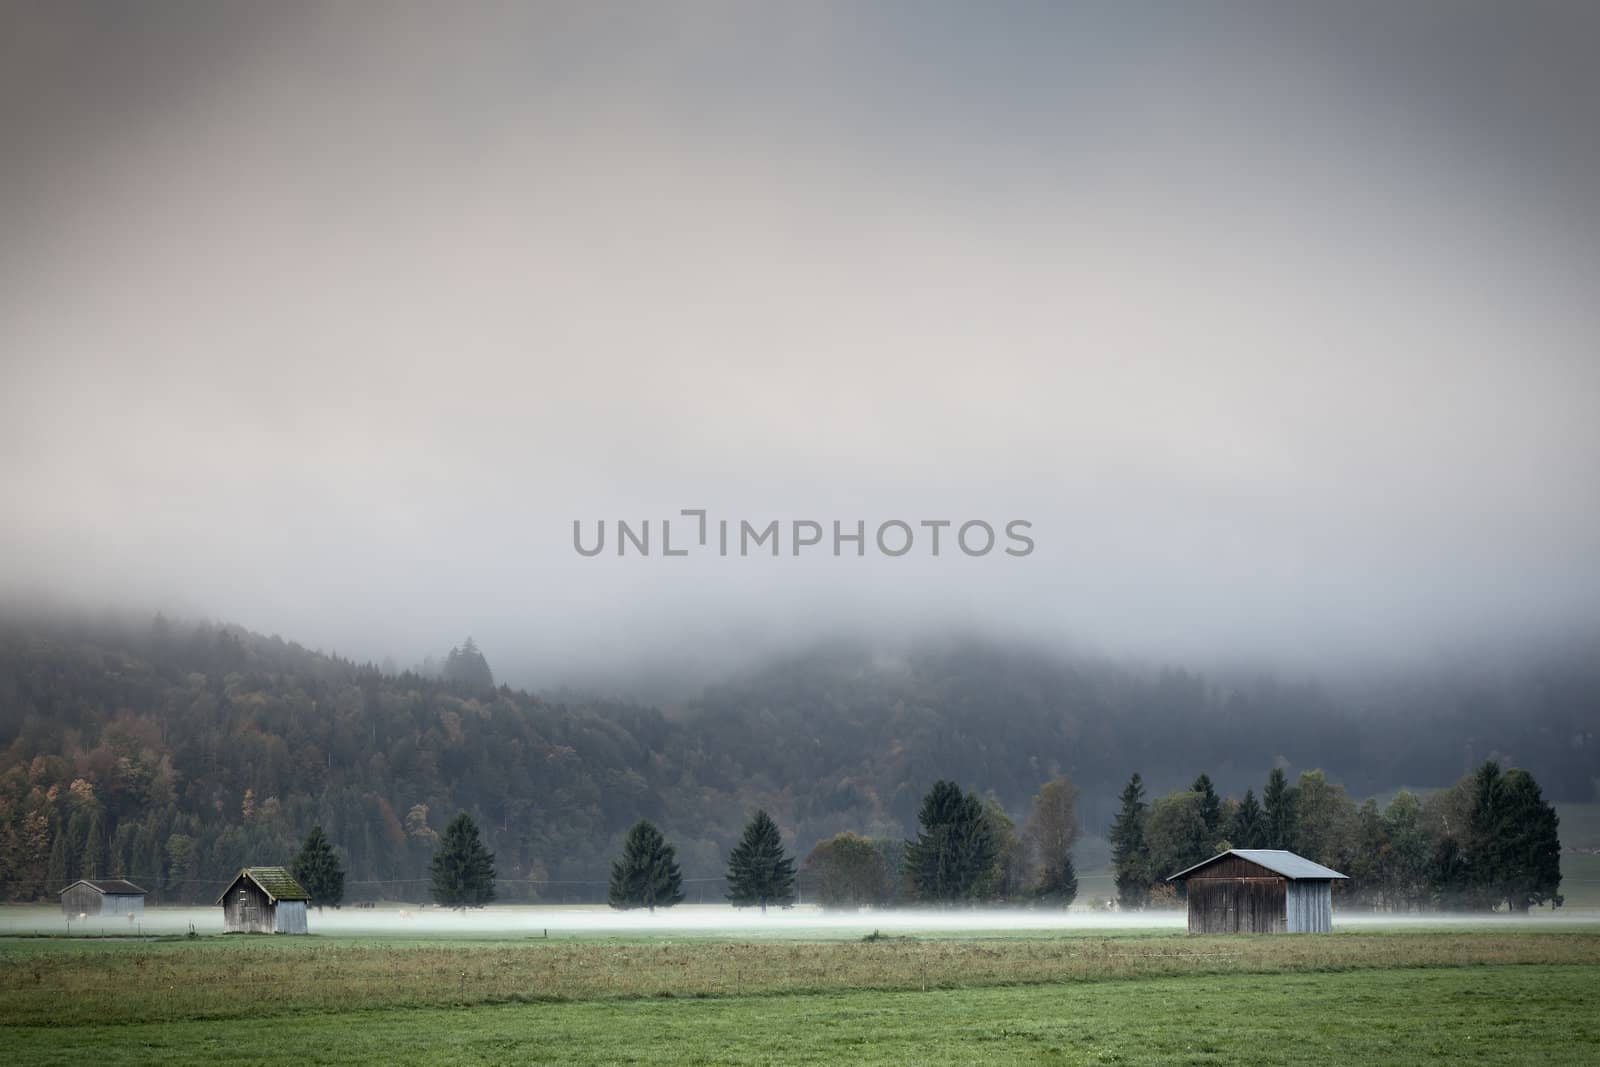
(1259, 891)
(264, 900)
(102, 896)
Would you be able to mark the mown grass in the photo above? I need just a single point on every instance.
(1548, 1015)
(65, 983)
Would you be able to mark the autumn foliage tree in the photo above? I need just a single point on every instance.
(1051, 832)
(848, 871)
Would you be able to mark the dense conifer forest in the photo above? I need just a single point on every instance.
(174, 753)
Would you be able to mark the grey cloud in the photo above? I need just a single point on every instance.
(1277, 324)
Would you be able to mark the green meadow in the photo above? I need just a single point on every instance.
(1501, 993)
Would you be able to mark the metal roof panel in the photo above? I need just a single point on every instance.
(1276, 860)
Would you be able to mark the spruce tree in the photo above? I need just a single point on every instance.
(1210, 808)
(758, 871)
(468, 666)
(1249, 824)
(1128, 852)
(1515, 853)
(954, 853)
(1532, 855)
(319, 871)
(646, 875)
(1277, 801)
(463, 870)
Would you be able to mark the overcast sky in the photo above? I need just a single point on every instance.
(1279, 327)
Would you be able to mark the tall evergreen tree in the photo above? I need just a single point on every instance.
(1129, 855)
(1532, 855)
(1277, 801)
(1210, 808)
(646, 875)
(468, 666)
(463, 870)
(955, 850)
(1485, 836)
(1248, 828)
(319, 871)
(758, 871)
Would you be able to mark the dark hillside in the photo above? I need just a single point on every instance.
(176, 753)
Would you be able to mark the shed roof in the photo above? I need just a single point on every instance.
(1276, 860)
(111, 887)
(276, 882)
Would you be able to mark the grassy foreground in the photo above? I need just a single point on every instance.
(1491, 995)
(1536, 1014)
(66, 982)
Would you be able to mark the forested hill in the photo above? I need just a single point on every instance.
(174, 754)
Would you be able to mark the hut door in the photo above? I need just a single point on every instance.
(247, 911)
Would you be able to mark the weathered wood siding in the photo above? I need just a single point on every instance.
(85, 900)
(291, 917)
(122, 904)
(1236, 905)
(80, 900)
(1231, 866)
(247, 910)
(1310, 907)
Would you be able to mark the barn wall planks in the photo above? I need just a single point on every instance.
(291, 917)
(86, 900)
(1236, 905)
(1309, 907)
(248, 910)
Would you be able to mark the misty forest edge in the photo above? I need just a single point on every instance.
(103, 794)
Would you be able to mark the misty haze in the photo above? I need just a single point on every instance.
(882, 500)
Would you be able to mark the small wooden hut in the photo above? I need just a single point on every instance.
(1259, 891)
(102, 896)
(264, 900)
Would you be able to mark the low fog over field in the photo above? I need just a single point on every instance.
(695, 921)
(1277, 326)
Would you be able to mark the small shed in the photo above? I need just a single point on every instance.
(264, 900)
(102, 896)
(1259, 891)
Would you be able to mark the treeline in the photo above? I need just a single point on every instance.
(1489, 841)
(967, 850)
(174, 753)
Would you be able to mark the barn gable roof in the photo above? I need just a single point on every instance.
(276, 882)
(110, 887)
(1276, 860)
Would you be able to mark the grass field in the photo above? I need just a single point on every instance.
(1537, 1014)
(1496, 993)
